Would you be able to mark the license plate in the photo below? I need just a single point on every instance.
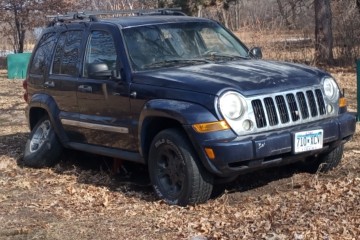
(308, 140)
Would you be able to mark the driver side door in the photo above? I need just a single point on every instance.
(103, 100)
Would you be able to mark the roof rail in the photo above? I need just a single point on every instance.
(70, 17)
(91, 15)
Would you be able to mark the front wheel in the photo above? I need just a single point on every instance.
(175, 171)
(331, 159)
(42, 148)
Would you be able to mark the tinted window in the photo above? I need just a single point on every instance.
(67, 53)
(58, 54)
(42, 55)
(181, 44)
(100, 49)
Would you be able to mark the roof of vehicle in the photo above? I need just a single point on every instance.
(150, 20)
(132, 18)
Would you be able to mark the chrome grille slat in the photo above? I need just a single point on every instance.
(288, 108)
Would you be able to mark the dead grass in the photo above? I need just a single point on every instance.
(295, 46)
(72, 201)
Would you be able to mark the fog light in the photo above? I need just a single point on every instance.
(247, 125)
(329, 108)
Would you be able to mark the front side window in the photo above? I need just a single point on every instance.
(42, 57)
(100, 50)
(67, 54)
(181, 44)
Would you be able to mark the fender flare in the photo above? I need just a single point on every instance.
(185, 113)
(47, 103)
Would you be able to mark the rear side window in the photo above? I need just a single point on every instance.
(67, 54)
(42, 57)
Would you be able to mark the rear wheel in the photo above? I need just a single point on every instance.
(175, 171)
(42, 148)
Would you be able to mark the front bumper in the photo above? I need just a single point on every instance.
(243, 154)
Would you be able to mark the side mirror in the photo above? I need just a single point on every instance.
(116, 75)
(256, 52)
(99, 71)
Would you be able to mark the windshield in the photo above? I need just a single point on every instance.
(180, 44)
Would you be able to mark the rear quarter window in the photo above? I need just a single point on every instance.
(42, 56)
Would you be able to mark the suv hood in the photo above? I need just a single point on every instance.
(249, 77)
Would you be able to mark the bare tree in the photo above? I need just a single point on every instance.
(80, 5)
(19, 16)
(283, 14)
(323, 32)
(293, 12)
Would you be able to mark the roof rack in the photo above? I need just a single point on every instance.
(91, 15)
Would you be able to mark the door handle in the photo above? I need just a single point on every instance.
(133, 94)
(49, 84)
(85, 88)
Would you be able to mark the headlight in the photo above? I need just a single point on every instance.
(232, 106)
(331, 89)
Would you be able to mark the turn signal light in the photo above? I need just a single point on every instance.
(210, 127)
(210, 153)
(342, 102)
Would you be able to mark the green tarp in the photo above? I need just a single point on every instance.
(17, 65)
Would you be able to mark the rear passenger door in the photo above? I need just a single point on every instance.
(103, 100)
(64, 74)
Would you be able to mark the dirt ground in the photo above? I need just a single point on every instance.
(80, 199)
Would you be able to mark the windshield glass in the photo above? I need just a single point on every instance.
(180, 44)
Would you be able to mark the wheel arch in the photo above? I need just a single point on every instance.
(35, 114)
(151, 127)
(41, 105)
(161, 114)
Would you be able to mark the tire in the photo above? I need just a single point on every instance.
(42, 148)
(331, 159)
(175, 172)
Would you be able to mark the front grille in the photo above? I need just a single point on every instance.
(289, 107)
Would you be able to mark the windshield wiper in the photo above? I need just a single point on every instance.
(216, 56)
(174, 62)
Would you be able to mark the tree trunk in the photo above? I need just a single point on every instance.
(21, 41)
(225, 17)
(237, 14)
(323, 32)
(199, 7)
(20, 33)
(283, 14)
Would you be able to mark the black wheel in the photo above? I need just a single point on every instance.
(331, 159)
(42, 148)
(175, 171)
